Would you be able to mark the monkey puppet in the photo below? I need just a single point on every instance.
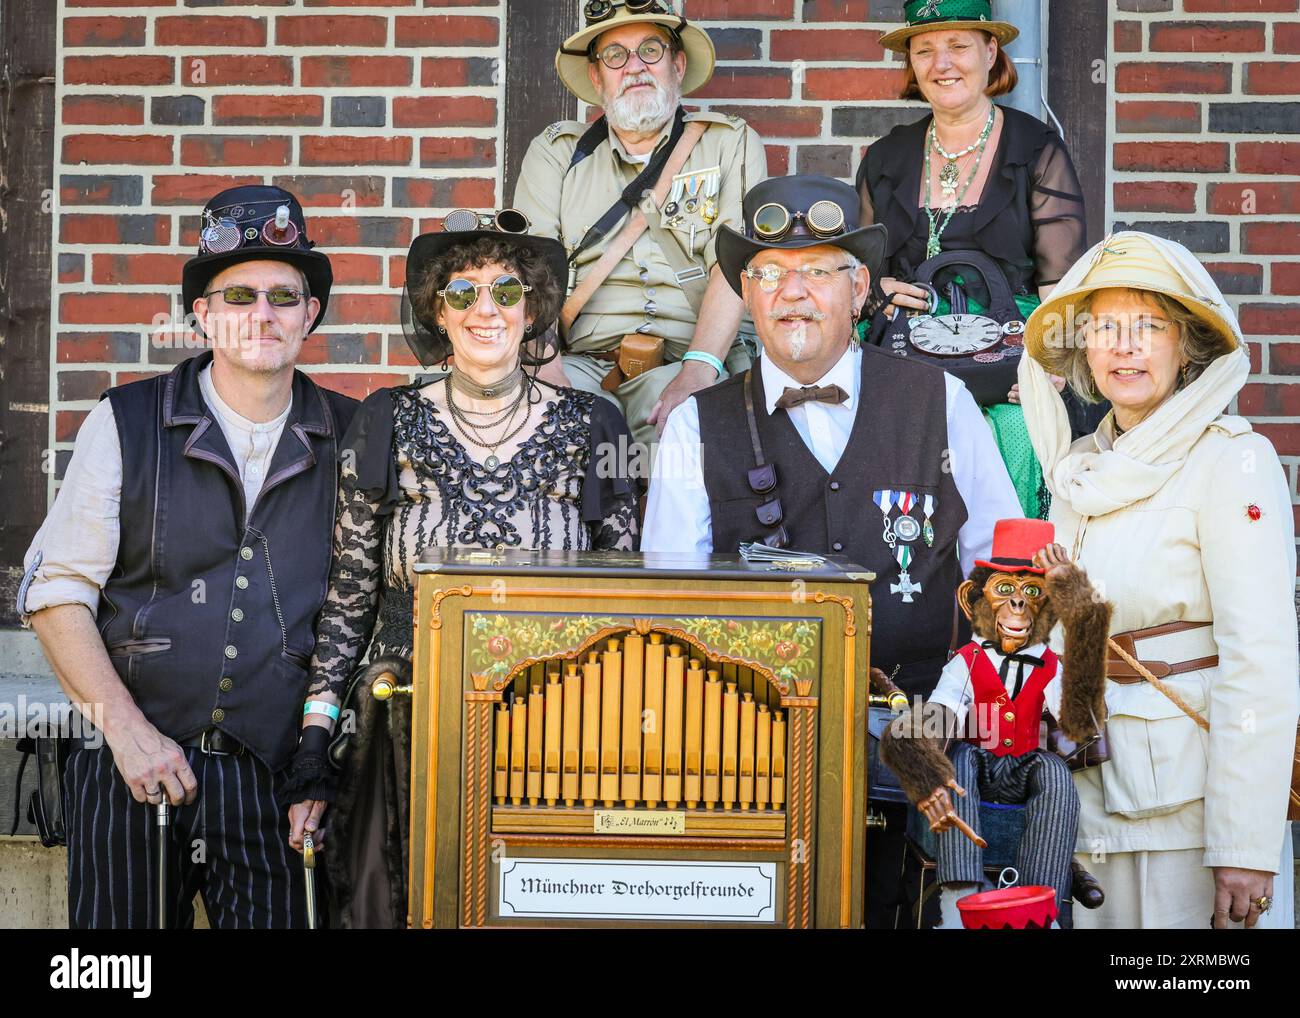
(993, 693)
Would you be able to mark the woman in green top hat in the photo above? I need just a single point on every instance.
(971, 176)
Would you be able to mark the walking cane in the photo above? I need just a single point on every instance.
(309, 877)
(164, 825)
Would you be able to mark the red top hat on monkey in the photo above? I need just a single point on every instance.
(978, 735)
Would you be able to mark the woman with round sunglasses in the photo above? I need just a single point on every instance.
(481, 455)
(978, 177)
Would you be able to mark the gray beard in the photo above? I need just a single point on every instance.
(640, 114)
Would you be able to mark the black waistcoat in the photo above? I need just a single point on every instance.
(208, 619)
(899, 442)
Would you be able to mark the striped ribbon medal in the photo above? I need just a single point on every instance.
(899, 533)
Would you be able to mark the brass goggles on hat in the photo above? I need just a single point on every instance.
(505, 221)
(461, 294)
(596, 11)
(774, 221)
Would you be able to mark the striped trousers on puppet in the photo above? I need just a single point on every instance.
(231, 845)
(1039, 780)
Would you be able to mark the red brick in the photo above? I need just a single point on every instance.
(445, 111)
(127, 377)
(854, 83)
(1154, 196)
(345, 150)
(120, 3)
(1269, 400)
(1238, 6)
(236, 70)
(97, 347)
(357, 384)
(1285, 437)
(1186, 78)
(1285, 278)
(98, 228)
(1276, 77)
(360, 191)
(1270, 319)
(132, 149)
(340, 232)
(286, 110)
(194, 188)
(779, 121)
(352, 269)
(1128, 36)
(210, 30)
(235, 150)
(399, 352)
(444, 192)
(1268, 157)
(1137, 117)
(1268, 198)
(111, 308)
(67, 423)
(119, 70)
(845, 10)
(457, 152)
(122, 269)
(449, 30)
(741, 10)
(446, 72)
(356, 71)
(1270, 238)
(778, 160)
(107, 31)
(103, 109)
(342, 348)
(330, 30)
(1286, 37)
(71, 268)
(1207, 36)
(82, 384)
(1283, 359)
(1175, 156)
(1237, 277)
(857, 44)
(746, 83)
(1256, 354)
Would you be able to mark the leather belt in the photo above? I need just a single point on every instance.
(215, 742)
(1119, 670)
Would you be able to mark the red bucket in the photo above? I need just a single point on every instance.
(1011, 908)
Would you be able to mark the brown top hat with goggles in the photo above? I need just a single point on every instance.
(797, 212)
(599, 16)
(461, 228)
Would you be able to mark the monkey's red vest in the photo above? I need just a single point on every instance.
(1006, 727)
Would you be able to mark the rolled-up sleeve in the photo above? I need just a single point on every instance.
(75, 550)
(1247, 537)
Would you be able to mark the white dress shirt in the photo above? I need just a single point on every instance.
(74, 552)
(677, 512)
(956, 691)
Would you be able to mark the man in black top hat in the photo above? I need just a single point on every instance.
(176, 581)
(825, 447)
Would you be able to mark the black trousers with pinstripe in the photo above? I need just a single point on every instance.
(1043, 783)
(231, 845)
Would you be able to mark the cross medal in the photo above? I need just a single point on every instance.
(900, 532)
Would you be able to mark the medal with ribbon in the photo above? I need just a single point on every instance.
(900, 531)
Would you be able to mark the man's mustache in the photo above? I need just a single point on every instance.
(811, 314)
(644, 78)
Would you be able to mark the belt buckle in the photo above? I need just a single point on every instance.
(206, 750)
(687, 275)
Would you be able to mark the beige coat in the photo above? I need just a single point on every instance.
(1161, 520)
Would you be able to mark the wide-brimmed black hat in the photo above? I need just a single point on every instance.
(459, 228)
(820, 210)
(249, 223)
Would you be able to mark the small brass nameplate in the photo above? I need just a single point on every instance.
(631, 821)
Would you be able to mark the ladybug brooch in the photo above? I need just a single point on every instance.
(1254, 512)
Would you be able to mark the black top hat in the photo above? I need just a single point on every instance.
(251, 222)
(461, 227)
(817, 210)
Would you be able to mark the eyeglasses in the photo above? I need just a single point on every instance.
(651, 51)
(773, 221)
(597, 11)
(461, 294)
(770, 277)
(505, 221)
(243, 296)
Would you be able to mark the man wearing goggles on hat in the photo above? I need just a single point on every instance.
(176, 581)
(649, 319)
(823, 447)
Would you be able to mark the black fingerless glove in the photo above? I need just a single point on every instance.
(309, 775)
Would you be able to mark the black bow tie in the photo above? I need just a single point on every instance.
(1005, 668)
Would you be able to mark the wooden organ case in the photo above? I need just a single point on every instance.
(621, 740)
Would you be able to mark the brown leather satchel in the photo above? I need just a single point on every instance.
(636, 353)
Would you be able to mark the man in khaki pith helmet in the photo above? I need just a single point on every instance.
(663, 306)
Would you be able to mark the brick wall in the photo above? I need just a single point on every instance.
(1205, 134)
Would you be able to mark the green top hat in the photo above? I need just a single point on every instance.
(933, 15)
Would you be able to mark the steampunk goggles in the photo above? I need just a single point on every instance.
(505, 221)
(774, 221)
(596, 11)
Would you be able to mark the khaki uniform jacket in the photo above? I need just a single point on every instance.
(564, 204)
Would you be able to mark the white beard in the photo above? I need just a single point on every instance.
(642, 112)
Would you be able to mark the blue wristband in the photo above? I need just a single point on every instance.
(318, 707)
(707, 358)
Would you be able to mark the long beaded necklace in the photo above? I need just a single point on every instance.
(475, 433)
(948, 178)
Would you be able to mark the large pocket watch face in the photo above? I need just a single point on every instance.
(954, 335)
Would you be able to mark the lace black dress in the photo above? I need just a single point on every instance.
(408, 484)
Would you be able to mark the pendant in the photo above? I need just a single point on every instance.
(906, 587)
(949, 178)
(710, 212)
(906, 528)
(491, 462)
(927, 534)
